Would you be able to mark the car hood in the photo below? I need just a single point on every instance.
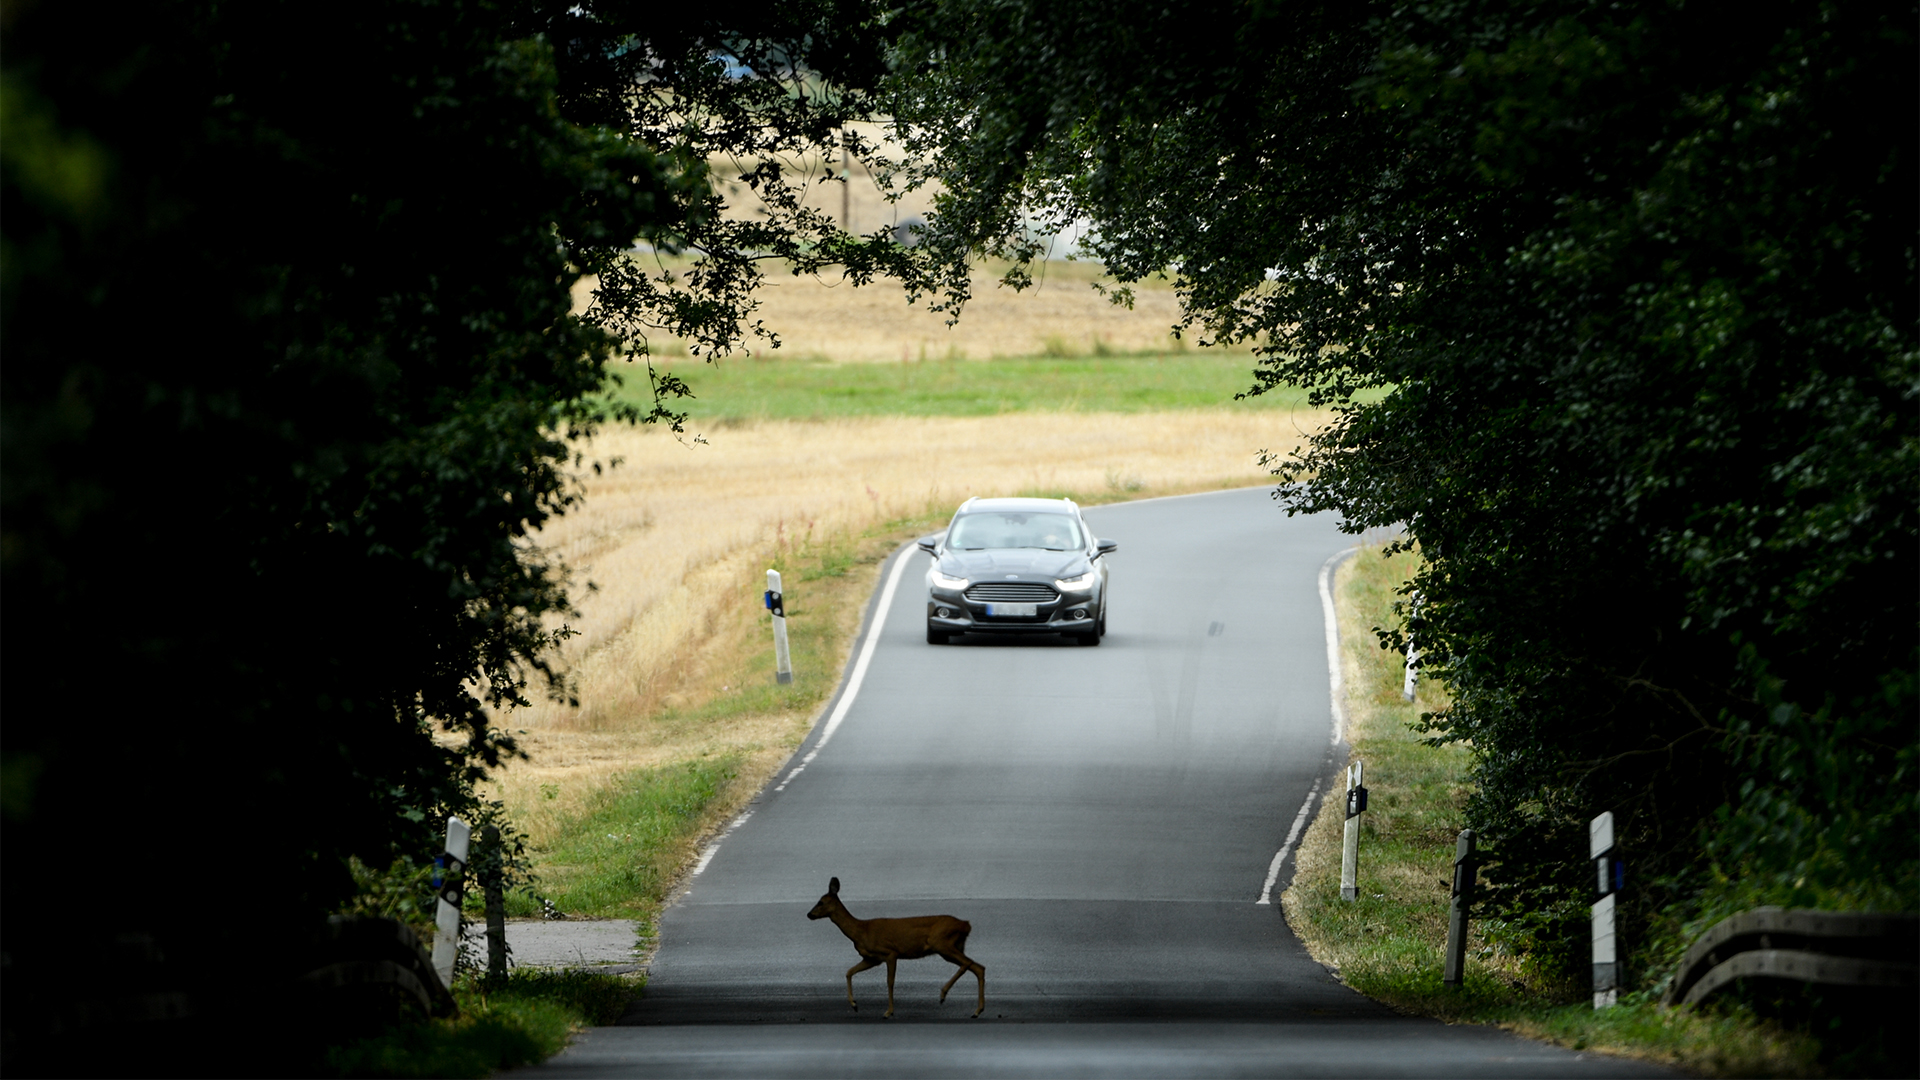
(1025, 562)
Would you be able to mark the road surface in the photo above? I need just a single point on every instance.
(1106, 818)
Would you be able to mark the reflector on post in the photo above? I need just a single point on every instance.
(782, 663)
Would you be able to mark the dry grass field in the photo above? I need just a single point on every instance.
(1060, 315)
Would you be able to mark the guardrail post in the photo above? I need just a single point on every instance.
(782, 663)
(449, 878)
(1611, 876)
(1463, 875)
(490, 874)
(1350, 845)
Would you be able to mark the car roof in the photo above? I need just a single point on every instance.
(1018, 506)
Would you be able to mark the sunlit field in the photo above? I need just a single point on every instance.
(676, 541)
(819, 459)
(821, 318)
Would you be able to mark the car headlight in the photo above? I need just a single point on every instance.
(940, 580)
(1078, 584)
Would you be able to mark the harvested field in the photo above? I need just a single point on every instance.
(1061, 315)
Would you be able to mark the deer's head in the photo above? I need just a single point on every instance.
(828, 903)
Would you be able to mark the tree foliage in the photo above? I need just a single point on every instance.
(786, 116)
(291, 378)
(1642, 282)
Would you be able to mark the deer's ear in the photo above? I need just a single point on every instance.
(833, 887)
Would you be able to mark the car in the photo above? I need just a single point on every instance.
(1017, 566)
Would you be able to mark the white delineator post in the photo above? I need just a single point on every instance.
(1606, 956)
(450, 870)
(1413, 657)
(782, 663)
(1350, 845)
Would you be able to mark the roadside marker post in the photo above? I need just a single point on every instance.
(491, 871)
(1413, 657)
(846, 182)
(1350, 845)
(1462, 903)
(782, 663)
(1611, 877)
(449, 878)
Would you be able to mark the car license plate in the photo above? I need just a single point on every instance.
(1013, 610)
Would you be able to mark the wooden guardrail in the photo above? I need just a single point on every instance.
(1831, 948)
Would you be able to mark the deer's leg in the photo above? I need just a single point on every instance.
(856, 969)
(959, 969)
(892, 962)
(966, 964)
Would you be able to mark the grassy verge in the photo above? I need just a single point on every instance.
(1388, 943)
(779, 388)
(625, 852)
(526, 1020)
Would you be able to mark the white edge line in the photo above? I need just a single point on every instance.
(859, 668)
(1293, 835)
(1336, 696)
(707, 855)
(1335, 684)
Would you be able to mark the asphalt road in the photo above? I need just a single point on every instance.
(1106, 819)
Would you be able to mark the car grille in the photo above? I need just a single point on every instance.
(1012, 592)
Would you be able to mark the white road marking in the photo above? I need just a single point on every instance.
(859, 669)
(707, 855)
(1338, 698)
(1293, 835)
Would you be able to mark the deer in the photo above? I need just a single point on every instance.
(889, 941)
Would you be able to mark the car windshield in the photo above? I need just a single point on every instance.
(1055, 532)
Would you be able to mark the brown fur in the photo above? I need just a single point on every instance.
(889, 941)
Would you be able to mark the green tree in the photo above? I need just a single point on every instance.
(290, 374)
(1641, 281)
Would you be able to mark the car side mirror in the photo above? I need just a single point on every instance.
(930, 544)
(1108, 547)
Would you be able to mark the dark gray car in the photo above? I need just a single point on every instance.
(1017, 566)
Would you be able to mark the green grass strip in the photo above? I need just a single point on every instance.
(746, 389)
(623, 853)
